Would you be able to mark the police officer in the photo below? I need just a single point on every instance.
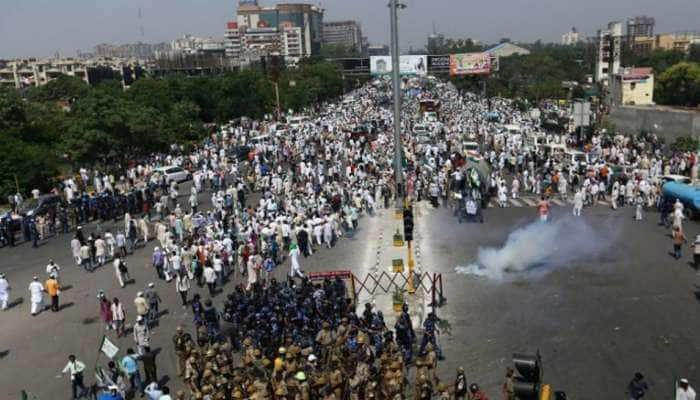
(181, 339)
(429, 335)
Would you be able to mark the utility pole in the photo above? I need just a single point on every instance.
(396, 80)
(403, 205)
(277, 99)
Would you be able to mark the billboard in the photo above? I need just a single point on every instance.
(438, 63)
(358, 65)
(470, 64)
(408, 65)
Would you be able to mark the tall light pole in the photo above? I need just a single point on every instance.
(396, 80)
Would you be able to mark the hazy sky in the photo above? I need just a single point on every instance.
(43, 27)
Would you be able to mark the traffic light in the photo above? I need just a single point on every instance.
(408, 224)
(527, 385)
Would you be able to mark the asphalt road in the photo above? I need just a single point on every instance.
(595, 319)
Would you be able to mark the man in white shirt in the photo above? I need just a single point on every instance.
(685, 391)
(52, 269)
(210, 279)
(36, 291)
(294, 256)
(4, 292)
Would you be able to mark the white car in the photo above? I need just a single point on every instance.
(172, 174)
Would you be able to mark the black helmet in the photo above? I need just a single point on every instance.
(473, 388)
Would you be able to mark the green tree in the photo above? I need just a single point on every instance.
(338, 51)
(62, 88)
(679, 85)
(684, 144)
(694, 53)
(12, 112)
(659, 60)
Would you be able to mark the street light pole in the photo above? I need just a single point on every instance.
(277, 98)
(396, 80)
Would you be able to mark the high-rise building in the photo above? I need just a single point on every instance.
(264, 22)
(343, 33)
(641, 26)
(609, 51)
(570, 38)
(435, 41)
(232, 40)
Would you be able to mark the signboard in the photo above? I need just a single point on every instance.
(350, 65)
(470, 64)
(408, 65)
(439, 63)
(582, 114)
(397, 265)
(108, 348)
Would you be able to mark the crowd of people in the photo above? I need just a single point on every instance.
(297, 188)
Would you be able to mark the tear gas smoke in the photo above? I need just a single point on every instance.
(540, 247)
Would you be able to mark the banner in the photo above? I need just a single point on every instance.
(470, 64)
(108, 348)
(408, 65)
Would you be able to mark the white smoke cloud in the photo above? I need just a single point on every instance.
(540, 247)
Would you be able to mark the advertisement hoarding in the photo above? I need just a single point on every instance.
(359, 65)
(408, 65)
(437, 63)
(470, 64)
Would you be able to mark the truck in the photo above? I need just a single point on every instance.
(689, 195)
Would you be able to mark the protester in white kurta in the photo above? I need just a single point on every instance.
(36, 292)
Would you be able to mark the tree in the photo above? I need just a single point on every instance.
(659, 60)
(684, 144)
(12, 113)
(62, 88)
(106, 126)
(694, 53)
(679, 85)
(338, 51)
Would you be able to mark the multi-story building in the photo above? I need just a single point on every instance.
(609, 51)
(263, 40)
(570, 38)
(189, 44)
(38, 72)
(291, 44)
(232, 40)
(665, 41)
(143, 51)
(435, 41)
(632, 86)
(641, 26)
(279, 18)
(343, 33)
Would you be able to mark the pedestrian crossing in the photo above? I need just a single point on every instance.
(532, 202)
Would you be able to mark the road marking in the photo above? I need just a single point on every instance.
(558, 202)
(493, 204)
(515, 202)
(603, 202)
(528, 202)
